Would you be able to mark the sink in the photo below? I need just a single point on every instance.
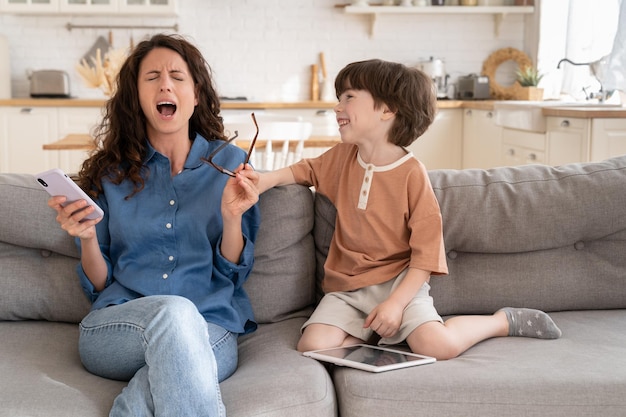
(528, 115)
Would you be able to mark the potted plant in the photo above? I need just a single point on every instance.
(528, 79)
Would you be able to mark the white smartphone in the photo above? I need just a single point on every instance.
(56, 182)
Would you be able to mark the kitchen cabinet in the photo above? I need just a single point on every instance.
(521, 147)
(90, 7)
(29, 6)
(72, 120)
(23, 132)
(608, 138)
(482, 139)
(151, 7)
(567, 140)
(441, 146)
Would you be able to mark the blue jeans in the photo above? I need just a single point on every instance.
(173, 358)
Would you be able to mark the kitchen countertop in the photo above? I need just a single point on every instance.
(229, 104)
(584, 112)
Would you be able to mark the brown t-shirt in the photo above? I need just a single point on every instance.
(388, 217)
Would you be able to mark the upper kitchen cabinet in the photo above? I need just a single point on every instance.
(90, 7)
(29, 6)
(153, 7)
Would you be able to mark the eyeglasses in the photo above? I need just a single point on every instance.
(220, 168)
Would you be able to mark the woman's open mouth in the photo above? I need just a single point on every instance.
(166, 108)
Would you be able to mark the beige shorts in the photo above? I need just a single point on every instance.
(349, 309)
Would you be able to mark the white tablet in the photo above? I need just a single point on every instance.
(369, 358)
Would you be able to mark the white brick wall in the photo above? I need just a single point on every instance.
(263, 49)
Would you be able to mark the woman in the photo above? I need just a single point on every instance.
(165, 266)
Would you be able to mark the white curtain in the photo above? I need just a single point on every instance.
(615, 76)
(582, 31)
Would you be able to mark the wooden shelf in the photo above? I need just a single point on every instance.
(498, 12)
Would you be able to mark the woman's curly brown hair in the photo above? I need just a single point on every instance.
(121, 136)
(408, 92)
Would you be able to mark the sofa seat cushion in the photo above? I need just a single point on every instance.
(42, 375)
(580, 374)
(274, 380)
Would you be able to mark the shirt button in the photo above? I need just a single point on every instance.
(164, 276)
(171, 258)
(364, 193)
(172, 202)
(168, 226)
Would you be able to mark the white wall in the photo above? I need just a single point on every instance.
(263, 49)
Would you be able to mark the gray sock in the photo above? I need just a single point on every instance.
(526, 322)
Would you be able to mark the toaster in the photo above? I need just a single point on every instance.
(49, 84)
(473, 87)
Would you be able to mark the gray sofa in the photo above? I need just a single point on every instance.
(536, 236)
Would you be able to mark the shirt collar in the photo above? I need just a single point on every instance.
(199, 148)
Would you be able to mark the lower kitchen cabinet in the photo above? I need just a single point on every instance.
(23, 132)
(441, 146)
(608, 138)
(482, 139)
(567, 140)
(521, 147)
(75, 120)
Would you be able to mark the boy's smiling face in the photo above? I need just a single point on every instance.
(358, 118)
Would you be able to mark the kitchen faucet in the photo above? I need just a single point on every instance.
(596, 70)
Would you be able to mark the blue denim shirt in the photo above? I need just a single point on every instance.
(166, 238)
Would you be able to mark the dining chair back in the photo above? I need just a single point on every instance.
(281, 139)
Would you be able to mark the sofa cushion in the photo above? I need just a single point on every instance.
(282, 282)
(37, 284)
(43, 376)
(37, 277)
(544, 237)
(32, 223)
(575, 375)
(273, 379)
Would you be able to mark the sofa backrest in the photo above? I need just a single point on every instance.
(552, 238)
(38, 260)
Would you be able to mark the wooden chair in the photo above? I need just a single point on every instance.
(281, 138)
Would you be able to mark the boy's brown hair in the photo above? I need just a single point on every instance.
(408, 92)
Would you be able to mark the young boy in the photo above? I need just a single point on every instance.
(388, 237)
